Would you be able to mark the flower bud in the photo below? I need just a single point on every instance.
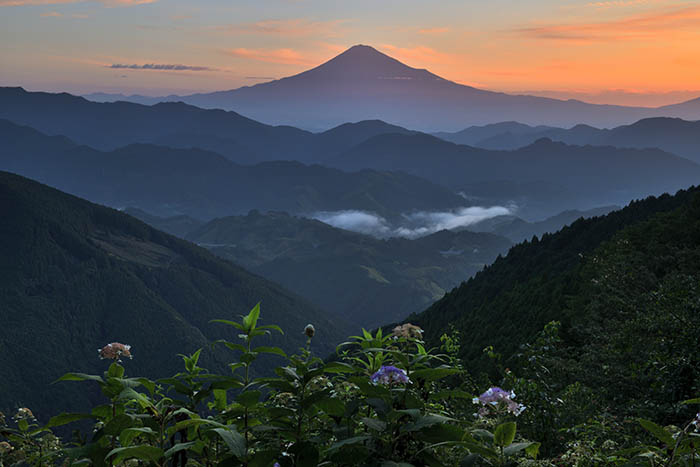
(309, 330)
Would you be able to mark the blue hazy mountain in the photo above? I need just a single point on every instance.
(363, 83)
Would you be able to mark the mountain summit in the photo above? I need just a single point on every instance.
(363, 83)
(362, 62)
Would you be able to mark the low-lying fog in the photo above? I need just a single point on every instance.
(413, 225)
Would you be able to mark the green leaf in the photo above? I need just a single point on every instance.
(231, 345)
(533, 450)
(177, 448)
(118, 424)
(374, 424)
(142, 451)
(479, 449)
(115, 370)
(441, 433)
(338, 367)
(434, 374)
(332, 406)
(660, 433)
(229, 322)
(141, 399)
(692, 401)
(306, 454)
(273, 327)
(425, 421)
(128, 435)
(349, 441)
(251, 319)
(80, 377)
(504, 434)
(271, 350)
(233, 440)
(65, 418)
(248, 399)
(514, 448)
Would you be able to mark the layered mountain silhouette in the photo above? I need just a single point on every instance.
(674, 135)
(204, 185)
(555, 175)
(363, 83)
(108, 126)
(75, 276)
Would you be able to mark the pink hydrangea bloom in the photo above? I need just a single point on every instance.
(115, 351)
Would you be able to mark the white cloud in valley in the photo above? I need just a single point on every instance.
(411, 225)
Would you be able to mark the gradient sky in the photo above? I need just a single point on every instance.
(618, 51)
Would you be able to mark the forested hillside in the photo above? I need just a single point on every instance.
(362, 279)
(75, 276)
(625, 288)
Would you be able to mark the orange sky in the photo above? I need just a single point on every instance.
(618, 51)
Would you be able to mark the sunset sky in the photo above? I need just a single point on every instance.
(618, 51)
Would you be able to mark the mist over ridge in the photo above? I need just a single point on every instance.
(410, 225)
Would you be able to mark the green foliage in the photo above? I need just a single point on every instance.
(312, 412)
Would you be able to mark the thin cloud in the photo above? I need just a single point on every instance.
(644, 26)
(433, 31)
(51, 14)
(161, 67)
(298, 27)
(616, 3)
(283, 56)
(108, 3)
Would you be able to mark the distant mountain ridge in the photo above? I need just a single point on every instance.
(575, 177)
(363, 83)
(204, 185)
(108, 126)
(674, 135)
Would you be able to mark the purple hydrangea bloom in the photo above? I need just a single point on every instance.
(495, 398)
(388, 375)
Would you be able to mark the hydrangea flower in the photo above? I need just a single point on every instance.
(114, 351)
(24, 414)
(407, 330)
(496, 398)
(389, 374)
